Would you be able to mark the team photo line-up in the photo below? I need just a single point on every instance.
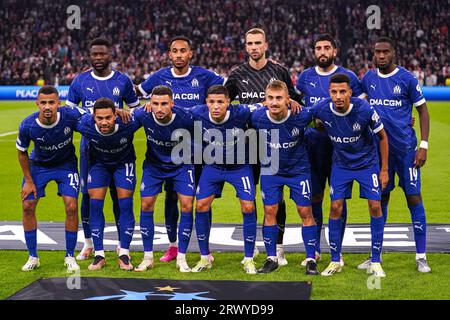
(329, 126)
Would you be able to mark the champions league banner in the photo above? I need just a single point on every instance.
(30, 93)
(77, 288)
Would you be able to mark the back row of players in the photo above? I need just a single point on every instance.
(392, 90)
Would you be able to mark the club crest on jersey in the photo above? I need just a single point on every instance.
(89, 178)
(194, 83)
(67, 130)
(397, 89)
(123, 140)
(331, 190)
(234, 132)
(295, 132)
(356, 126)
(272, 79)
(142, 186)
(116, 91)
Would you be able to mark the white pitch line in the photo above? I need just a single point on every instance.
(8, 133)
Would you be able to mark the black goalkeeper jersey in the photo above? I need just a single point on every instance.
(248, 85)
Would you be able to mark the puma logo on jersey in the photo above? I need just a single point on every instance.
(373, 86)
(313, 84)
(328, 123)
(130, 180)
(169, 82)
(90, 89)
(245, 81)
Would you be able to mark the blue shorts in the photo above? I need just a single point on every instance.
(320, 152)
(408, 176)
(341, 183)
(123, 175)
(212, 180)
(299, 185)
(84, 164)
(181, 181)
(66, 176)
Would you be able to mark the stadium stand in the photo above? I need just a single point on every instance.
(37, 46)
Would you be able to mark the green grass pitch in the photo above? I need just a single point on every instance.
(403, 281)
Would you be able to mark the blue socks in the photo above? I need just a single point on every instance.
(334, 235)
(249, 233)
(318, 218)
(127, 222)
(85, 213)
(71, 242)
(184, 231)
(97, 223)
(343, 220)
(202, 230)
(420, 226)
(270, 234)
(309, 235)
(377, 230)
(171, 216)
(31, 241)
(147, 230)
(116, 206)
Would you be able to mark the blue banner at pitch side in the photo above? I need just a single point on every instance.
(27, 92)
(30, 93)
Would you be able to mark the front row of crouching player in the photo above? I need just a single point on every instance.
(351, 124)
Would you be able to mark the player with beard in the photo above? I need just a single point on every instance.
(189, 85)
(313, 83)
(248, 83)
(99, 82)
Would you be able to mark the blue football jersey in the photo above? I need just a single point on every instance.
(189, 89)
(314, 84)
(110, 149)
(53, 144)
(393, 96)
(87, 88)
(228, 135)
(292, 155)
(159, 136)
(352, 133)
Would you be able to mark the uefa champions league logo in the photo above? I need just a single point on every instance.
(172, 295)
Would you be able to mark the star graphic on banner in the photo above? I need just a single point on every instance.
(166, 288)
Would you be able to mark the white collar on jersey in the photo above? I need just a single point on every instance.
(102, 78)
(341, 114)
(381, 75)
(278, 121)
(116, 128)
(180, 75)
(227, 116)
(164, 124)
(58, 116)
(321, 73)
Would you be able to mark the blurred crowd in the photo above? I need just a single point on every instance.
(37, 47)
